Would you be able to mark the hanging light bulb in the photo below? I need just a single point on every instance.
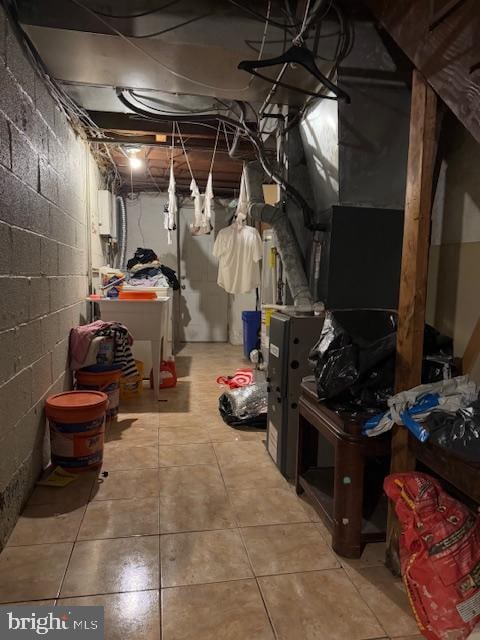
(135, 162)
(133, 159)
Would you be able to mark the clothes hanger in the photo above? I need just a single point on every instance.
(297, 54)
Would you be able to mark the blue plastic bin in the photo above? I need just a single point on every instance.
(251, 329)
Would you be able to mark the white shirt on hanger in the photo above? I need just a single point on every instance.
(239, 250)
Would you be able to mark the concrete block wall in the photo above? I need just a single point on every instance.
(44, 236)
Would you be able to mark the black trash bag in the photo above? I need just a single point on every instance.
(458, 432)
(354, 353)
(246, 406)
(438, 363)
(142, 256)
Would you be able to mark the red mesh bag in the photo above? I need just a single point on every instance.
(439, 556)
(168, 375)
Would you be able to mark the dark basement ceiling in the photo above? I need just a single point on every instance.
(200, 40)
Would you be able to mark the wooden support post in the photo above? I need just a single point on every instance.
(414, 271)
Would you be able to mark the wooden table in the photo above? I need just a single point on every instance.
(145, 319)
(348, 495)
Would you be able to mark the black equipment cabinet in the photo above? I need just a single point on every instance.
(361, 256)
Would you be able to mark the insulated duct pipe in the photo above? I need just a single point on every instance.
(122, 227)
(287, 243)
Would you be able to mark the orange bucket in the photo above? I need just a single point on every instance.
(107, 381)
(77, 429)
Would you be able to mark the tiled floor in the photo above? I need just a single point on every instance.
(194, 535)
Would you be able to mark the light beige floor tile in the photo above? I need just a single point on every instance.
(222, 611)
(120, 518)
(124, 433)
(201, 557)
(178, 419)
(128, 616)
(204, 479)
(253, 474)
(317, 605)
(287, 548)
(240, 451)
(32, 573)
(109, 566)
(224, 433)
(133, 483)
(269, 506)
(307, 505)
(145, 420)
(183, 420)
(386, 597)
(314, 516)
(195, 512)
(118, 459)
(182, 435)
(417, 637)
(44, 524)
(186, 454)
(71, 497)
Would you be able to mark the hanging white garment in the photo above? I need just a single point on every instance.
(208, 201)
(170, 214)
(239, 250)
(242, 205)
(198, 226)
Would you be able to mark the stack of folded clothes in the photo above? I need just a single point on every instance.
(145, 270)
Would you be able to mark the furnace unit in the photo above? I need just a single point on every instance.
(291, 339)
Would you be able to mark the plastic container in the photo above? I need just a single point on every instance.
(105, 378)
(77, 429)
(251, 328)
(137, 295)
(132, 386)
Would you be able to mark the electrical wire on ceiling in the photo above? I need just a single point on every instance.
(238, 124)
(252, 136)
(241, 125)
(141, 14)
(149, 55)
(172, 28)
(263, 18)
(265, 31)
(178, 108)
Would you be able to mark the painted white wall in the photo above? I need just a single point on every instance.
(453, 300)
(145, 229)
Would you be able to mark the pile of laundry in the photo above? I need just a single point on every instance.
(145, 270)
(102, 343)
(244, 403)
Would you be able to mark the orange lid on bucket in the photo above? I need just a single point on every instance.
(76, 406)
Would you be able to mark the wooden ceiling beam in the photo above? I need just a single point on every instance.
(443, 45)
(165, 147)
